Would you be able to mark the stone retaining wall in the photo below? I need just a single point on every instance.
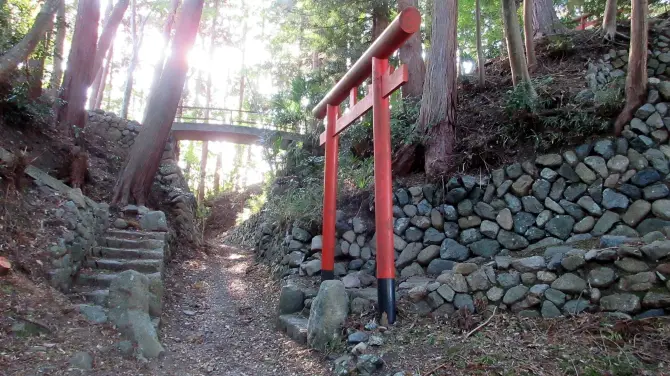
(85, 221)
(113, 128)
(513, 218)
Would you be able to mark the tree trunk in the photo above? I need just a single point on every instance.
(79, 73)
(545, 20)
(138, 37)
(410, 55)
(636, 80)
(95, 87)
(20, 52)
(609, 20)
(380, 18)
(57, 72)
(517, 59)
(203, 171)
(437, 117)
(137, 176)
(480, 53)
(160, 61)
(36, 67)
(100, 93)
(108, 31)
(528, 34)
(217, 173)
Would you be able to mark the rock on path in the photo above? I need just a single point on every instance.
(230, 325)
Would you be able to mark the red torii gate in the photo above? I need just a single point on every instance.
(374, 62)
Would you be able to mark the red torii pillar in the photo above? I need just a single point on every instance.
(374, 62)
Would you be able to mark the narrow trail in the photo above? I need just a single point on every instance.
(220, 320)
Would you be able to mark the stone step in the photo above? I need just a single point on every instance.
(90, 294)
(295, 326)
(97, 278)
(131, 243)
(142, 266)
(137, 235)
(126, 253)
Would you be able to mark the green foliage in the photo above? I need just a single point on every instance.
(18, 109)
(610, 99)
(492, 29)
(520, 98)
(303, 202)
(16, 18)
(404, 116)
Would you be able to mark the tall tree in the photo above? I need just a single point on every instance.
(636, 80)
(160, 60)
(79, 73)
(217, 173)
(517, 59)
(20, 52)
(108, 32)
(97, 81)
(609, 20)
(138, 38)
(545, 20)
(380, 17)
(137, 176)
(437, 117)
(528, 33)
(203, 171)
(410, 54)
(480, 53)
(106, 72)
(35, 66)
(59, 42)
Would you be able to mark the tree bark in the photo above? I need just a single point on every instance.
(79, 73)
(217, 173)
(437, 117)
(481, 70)
(137, 176)
(528, 34)
(36, 67)
(57, 72)
(95, 87)
(20, 52)
(517, 59)
(636, 80)
(380, 18)
(609, 20)
(138, 38)
(545, 20)
(160, 61)
(410, 55)
(108, 31)
(100, 93)
(203, 171)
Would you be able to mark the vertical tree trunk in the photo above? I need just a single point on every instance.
(380, 18)
(203, 171)
(217, 173)
(145, 155)
(20, 52)
(57, 72)
(243, 69)
(609, 20)
(480, 53)
(108, 31)
(36, 67)
(528, 34)
(79, 73)
(138, 37)
(95, 87)
(517, 59)
(160, 61)
(437, 117)
(410, 54)
(103, 83)
(636, 80)
(545, 20)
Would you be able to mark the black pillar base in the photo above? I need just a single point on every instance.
(327, 275)
(386, 298)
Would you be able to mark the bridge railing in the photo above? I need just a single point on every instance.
(213, 115)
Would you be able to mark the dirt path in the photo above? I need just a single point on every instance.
(220, 317)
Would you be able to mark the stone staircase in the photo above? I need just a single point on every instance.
(118, 251)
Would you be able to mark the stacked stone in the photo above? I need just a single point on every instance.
(172, 191)
(85, 221)
(626, 280)
(652, 120)
(113, 128)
